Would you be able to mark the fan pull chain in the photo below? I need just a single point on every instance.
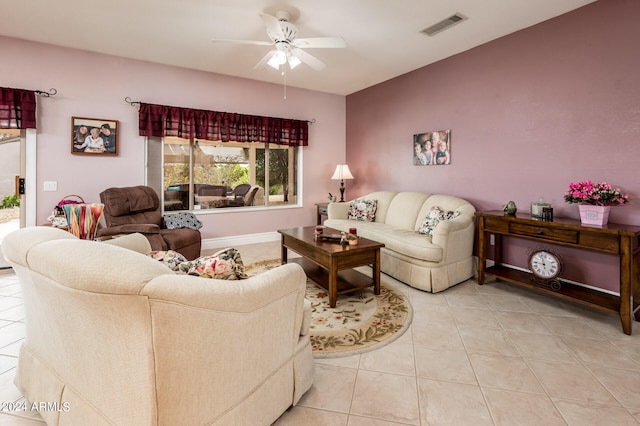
(284, 77)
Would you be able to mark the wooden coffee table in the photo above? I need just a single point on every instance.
(330, 264)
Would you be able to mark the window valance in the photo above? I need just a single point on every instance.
(17, 108)
(161, 120)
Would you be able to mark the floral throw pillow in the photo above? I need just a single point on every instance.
(172, 259)
(435, 216)
(223, 265)
(364, 210)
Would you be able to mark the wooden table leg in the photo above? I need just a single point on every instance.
(283, 253)
(635, 286)
(376, 273)
(333, 283)
(626, 271)
(482, 251)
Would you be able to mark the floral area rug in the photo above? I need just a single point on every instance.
(360, 322)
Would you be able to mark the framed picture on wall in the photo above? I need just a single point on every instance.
(94, 136)
(432, 148)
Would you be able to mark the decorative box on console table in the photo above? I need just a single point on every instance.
(620, 240)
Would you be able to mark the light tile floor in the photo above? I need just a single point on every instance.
(495, 354)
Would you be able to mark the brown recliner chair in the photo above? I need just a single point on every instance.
(137, 209)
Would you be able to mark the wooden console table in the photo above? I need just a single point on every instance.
(321, 211)
(621, 240)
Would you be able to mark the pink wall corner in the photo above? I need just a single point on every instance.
(529, 113)
(101, 93)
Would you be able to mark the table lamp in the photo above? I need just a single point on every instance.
(342, 172)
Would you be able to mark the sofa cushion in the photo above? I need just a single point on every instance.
(404, 209)
(365, 229)
(383, 200)
(410, 244)
(435, 216)
(405, 241)
(364, 210)
(223, 265)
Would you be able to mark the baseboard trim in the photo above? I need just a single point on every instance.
(239, 240)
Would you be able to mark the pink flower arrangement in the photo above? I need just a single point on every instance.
(598, 194)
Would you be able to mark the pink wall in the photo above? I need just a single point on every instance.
(529, 113)
(94, 86)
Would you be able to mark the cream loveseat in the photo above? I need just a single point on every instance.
(115, 337)
(432, 263)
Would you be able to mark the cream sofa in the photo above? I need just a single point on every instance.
(115, 337)
(429, 263)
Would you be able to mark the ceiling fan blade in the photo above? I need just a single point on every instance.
(308, 59)
(320, 42)
(263, 62)
(254, 42)
(273, 27)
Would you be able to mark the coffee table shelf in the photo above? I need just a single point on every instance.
(348, 280)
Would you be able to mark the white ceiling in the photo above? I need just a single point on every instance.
(383, 36)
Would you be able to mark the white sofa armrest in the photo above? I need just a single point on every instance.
(455, 237)
(447, 226)
(338, 210)
(222, 339)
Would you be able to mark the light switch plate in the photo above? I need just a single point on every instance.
(51, 186)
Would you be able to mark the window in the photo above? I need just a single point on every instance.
(199, 174)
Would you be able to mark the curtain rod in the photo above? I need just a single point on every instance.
(134, 103)
(130, 102)
(51, 92)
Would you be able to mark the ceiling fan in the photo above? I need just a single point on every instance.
(287, 47)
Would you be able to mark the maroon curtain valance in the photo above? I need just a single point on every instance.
(17, 109)
(161, 120)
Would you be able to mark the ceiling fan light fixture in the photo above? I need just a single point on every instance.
(273, 63)
(278, 58)
(294, 62)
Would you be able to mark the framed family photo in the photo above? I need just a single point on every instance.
(432, 148)
(94, 136)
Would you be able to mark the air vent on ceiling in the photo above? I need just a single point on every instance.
(444, 24)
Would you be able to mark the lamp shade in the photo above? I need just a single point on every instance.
(342, 172)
